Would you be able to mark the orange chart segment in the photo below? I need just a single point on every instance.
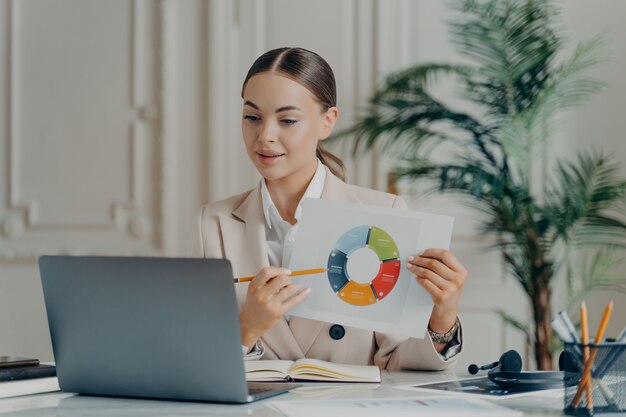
(357, 294)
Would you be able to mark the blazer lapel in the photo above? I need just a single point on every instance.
(243, 235)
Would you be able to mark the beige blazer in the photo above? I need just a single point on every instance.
(234, 229)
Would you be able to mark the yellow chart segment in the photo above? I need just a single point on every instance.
(357, 294)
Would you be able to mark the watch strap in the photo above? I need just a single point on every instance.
(444, 337)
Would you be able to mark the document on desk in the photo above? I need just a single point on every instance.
(441, 406)
(478, 386)
(364, 249)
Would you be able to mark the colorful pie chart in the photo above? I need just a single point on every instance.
(356, 292)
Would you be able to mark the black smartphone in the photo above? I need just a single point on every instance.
(11, 361)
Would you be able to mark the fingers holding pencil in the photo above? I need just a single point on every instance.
(269, 295)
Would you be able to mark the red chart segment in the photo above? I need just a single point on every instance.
(386, 278)
(376, 240)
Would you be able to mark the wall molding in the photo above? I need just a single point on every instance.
(136, 218)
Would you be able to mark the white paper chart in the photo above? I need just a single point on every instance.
(364, 249)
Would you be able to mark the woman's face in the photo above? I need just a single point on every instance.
(282, 124)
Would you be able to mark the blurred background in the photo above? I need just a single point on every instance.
(119, 118)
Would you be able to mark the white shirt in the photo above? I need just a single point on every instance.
(279, 233)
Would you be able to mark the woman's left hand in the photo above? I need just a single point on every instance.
(443, 276)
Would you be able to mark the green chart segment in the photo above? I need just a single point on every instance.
(358, 293)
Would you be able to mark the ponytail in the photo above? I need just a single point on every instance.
(334, 163)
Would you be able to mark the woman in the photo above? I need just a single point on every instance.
(289, 108)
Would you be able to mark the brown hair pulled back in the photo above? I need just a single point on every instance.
(311, 71)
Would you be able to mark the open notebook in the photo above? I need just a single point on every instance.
(309, 370)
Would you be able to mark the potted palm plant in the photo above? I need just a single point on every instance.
(519, 81)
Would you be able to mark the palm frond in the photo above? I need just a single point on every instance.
(580, 198)
(566, 86)
(481, 181)
(424, 76)
(515, 44)
(595, 271)
(405, 117)
(569, 85)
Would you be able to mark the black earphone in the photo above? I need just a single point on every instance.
(507, 373)
(509, 361)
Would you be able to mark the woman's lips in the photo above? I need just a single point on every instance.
(268, 159)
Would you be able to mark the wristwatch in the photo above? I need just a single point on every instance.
(444, 337)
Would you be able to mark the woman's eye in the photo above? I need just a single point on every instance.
(250, 118)
(289, 121)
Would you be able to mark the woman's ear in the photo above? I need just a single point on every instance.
(328, 122)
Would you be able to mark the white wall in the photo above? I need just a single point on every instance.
(80, 145)
(119, 118)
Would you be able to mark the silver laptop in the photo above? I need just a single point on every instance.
(163, 328)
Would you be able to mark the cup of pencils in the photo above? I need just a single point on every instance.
(599, 368)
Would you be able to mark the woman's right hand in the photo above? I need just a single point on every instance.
(270, 295)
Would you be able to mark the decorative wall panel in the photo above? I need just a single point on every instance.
(81, 133)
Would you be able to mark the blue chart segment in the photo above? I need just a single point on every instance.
(337, 269)
(353, 239)
(357, 293)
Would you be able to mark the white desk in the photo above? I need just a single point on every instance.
(63, 404)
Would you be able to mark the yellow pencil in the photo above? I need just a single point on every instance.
(293, 274)
(586, 376)
(585, 339)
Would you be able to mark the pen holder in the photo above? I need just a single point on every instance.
(608, 379)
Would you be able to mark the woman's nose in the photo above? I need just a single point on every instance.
(267, 132)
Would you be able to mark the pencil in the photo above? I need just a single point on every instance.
(586, 376)
(562, 329)
(585, 340)
(293, 274)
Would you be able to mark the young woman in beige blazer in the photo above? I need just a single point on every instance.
(289, 108)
